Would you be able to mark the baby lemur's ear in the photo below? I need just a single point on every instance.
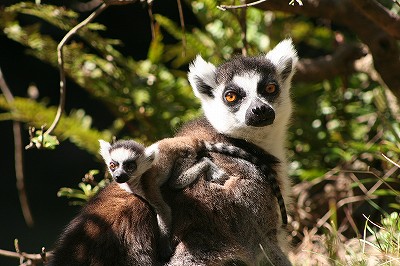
(202, 77)
(151, 152)
(284, 57)
(105, 150)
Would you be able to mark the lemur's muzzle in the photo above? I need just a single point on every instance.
(120, 176)
(259, 114)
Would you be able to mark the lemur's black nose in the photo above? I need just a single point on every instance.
(121, 176)
(260, 114)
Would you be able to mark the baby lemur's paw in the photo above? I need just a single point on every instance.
(216, 175)
(188, 172)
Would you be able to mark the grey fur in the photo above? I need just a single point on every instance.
(266, 169)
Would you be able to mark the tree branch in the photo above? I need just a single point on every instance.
(60, 57)
(29, 259)
(18, 157)
(326, 67)
(242, 18)
(225, 7)
(383, 47)
(387, 20)
(182, 20)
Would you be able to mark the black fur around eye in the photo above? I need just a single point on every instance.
(130, 165)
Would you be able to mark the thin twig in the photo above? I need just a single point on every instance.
(34, 258)
(182, 20)
(225, 7)
(390, 160)
(150, 12)
(242, 17)
(396, 2)
(18, 157)
(60, 57)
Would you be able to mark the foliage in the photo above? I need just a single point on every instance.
(87, 189)
(387, 239)
(76, 127)
(129, 89)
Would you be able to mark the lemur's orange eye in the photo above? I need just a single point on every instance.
(113, 166)
(231, 96)
(271, 88)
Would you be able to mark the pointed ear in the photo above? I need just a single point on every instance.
(284, 57)
(105, 150)
(151, 153)
(202, 77)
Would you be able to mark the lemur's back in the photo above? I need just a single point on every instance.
(113, 228)
(221, 223)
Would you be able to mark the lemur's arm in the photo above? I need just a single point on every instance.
(170, 150)
(177, 159)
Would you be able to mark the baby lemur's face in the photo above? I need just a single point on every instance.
(246, 94)
(126, 159)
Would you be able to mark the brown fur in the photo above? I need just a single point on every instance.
(114, 228)
(230, 224)
(168, 151)
(237, 222)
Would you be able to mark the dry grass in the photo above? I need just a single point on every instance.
(329, 226)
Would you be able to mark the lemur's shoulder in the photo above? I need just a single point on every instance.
(200, 128)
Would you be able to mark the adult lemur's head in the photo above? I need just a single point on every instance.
(246, 95)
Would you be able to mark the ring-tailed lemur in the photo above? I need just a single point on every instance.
(247, 103)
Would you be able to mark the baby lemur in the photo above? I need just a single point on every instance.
(232, 220)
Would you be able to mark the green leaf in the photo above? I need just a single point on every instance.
(43, 141)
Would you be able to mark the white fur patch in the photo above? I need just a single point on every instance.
(152, 152)
(125, 187)
(121, 155)
(105, 150)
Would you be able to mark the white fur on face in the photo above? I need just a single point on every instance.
(121, 155)
(221, 117)
(143, 161)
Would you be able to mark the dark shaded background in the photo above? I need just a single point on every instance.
(47, 171)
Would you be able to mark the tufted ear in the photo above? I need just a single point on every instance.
(202, 77)
(284, 57)
(105, 150)
(151, 153)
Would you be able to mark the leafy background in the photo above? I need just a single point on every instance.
(124, 83)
